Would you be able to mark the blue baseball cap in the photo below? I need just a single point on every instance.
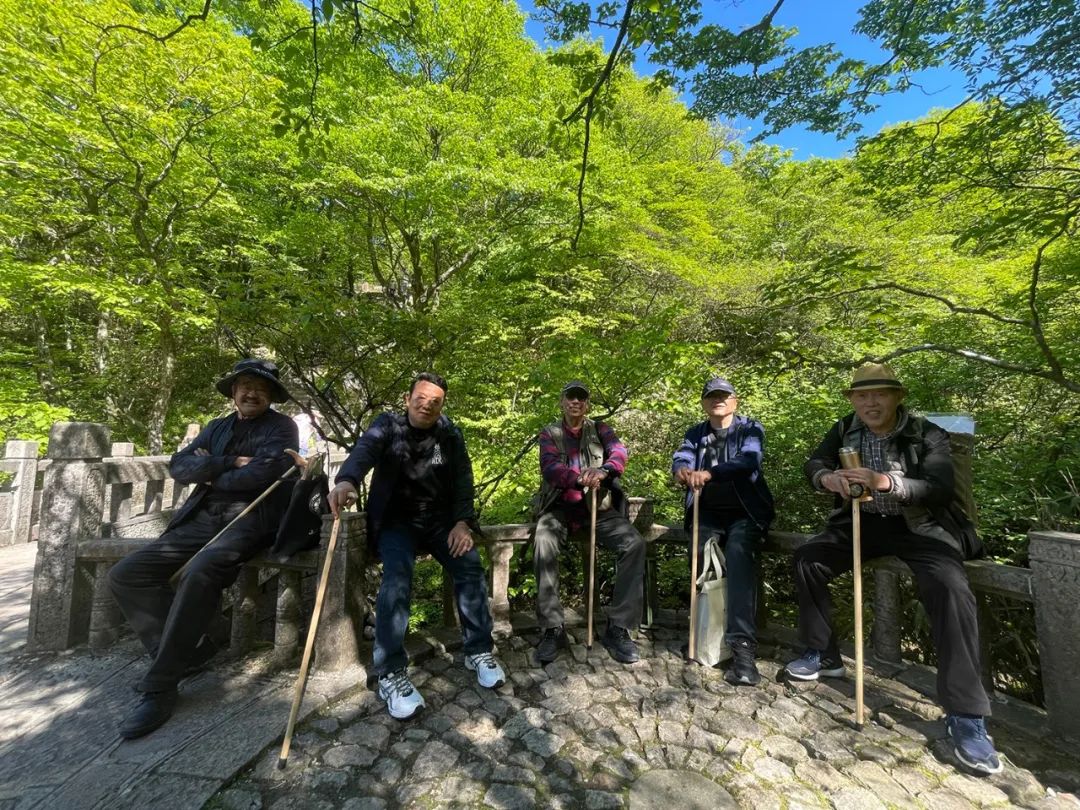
(717, 384)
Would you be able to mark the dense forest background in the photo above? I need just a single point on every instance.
(361, 191)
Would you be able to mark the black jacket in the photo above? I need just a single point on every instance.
(383, 448)
(266, 442)
(920, 456)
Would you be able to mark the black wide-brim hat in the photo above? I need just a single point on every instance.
(255, 368)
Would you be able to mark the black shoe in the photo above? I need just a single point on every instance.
(552, 640)
(620, 645)
(153, 711)
(743, 670)
(204, 651)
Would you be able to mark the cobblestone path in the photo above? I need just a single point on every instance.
(587, 732)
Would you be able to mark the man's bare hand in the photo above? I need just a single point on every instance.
(242, 461)
(834, 482)
(460, 539)
(693, 479)
(871, 480)
(592, 477)
(341, 497)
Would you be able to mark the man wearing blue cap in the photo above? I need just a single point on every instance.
(578, 454)
(231, 462)
(720, 461)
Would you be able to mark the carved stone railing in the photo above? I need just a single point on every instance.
(99, 504)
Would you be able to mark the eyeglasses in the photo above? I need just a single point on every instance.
(576, 397)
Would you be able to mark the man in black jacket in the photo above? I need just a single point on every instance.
(232, 461)
(907, 471)
(421, 501)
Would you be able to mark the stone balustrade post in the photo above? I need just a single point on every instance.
(341, 626)
(888, 615)
(72, 505)
(1055, 566)
(24, 455)
(500, 555)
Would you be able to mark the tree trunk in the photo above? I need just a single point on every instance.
(166, 361)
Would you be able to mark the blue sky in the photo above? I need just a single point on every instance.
(819, 21)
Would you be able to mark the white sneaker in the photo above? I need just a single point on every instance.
(488, 672)
(402, 699)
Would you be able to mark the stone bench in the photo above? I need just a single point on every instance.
(87, 524)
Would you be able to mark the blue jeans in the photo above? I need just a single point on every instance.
(740, 539)
(399, 544)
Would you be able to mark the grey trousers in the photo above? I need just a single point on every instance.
(614, 532)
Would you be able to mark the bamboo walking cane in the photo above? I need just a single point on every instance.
(299, 464)
(856, 545)
(691, 647)
(309, 644)
(849, 459)
(592, 565)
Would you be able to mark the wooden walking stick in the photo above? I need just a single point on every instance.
(309, 644)
(691, 647)
(299, 464)
(849, 459)
(592, 565)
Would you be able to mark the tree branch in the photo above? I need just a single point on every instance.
(163, 38)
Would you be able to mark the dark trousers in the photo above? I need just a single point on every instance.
(943, 590)
(614, 532)
(170, 623)
(399, 543)
(740, 540)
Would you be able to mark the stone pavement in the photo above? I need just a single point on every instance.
(583, 732)
(586, 732)
(16, 578)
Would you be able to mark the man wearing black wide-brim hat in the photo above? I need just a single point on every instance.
(231, 462)
(909, 509)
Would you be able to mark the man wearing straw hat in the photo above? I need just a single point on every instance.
(232, 461)
(578, 454)
(906, 469)
(721, 459)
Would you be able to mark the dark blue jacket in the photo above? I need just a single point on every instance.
(265, 443)
(744, 451)
(383, 448)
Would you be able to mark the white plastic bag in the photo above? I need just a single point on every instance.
(711, 618)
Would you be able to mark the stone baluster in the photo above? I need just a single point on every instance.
(888, 615)
(287, 619)
(501, 554)
(341, 625)
(1055, 566)
(24, 455)
(120, 495)
(245, 609)
(73, 500)
(106, 620)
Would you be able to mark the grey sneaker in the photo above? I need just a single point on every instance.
(813, 663)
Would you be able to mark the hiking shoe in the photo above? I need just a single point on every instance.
(153, 711)
(488, 672)
(971, 744)
(814, 663)
(620, 645)
(552, 640)
(402, 699)
(743, 670)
